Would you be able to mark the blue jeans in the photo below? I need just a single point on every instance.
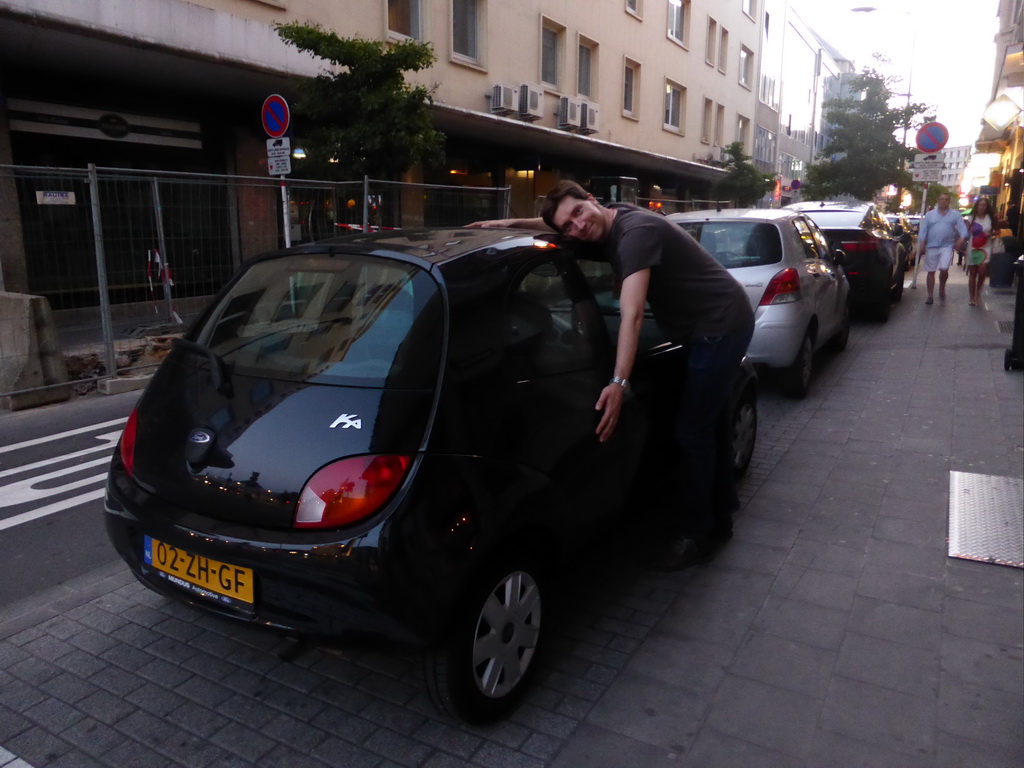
(704, 433)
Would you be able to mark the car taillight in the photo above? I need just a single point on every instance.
(350, 490)
(782, 289)
(859, 245)
(128, 443)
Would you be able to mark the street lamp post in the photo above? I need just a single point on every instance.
(910, 73)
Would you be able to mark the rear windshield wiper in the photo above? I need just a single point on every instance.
(220, 380)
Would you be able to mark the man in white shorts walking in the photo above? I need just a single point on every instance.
(942, 232)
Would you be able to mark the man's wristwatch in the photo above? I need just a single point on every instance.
(624, 383)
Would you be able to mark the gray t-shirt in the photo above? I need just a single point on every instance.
(691, 294)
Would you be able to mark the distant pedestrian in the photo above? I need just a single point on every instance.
(979, 250)
(942, 231)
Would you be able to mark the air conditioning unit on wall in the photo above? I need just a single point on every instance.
(531, 102)
(569, 113)
(589, 118)
(504, 100)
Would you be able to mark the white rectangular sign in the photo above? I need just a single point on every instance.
(926, 162)
(279, 166)
(279, 147)
(928, 174)
(55, 198)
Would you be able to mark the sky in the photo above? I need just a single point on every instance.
(951, 41)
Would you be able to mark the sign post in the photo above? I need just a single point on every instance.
(276, 118)
(931, 140)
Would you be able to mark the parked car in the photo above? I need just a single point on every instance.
(391, 436)
(874, 259)
(795, 285)
(905, 232)
(915, 222)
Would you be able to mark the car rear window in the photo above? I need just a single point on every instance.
(738, 243)
(341, 319)
(830, 219)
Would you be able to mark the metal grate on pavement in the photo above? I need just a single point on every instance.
(986, 518)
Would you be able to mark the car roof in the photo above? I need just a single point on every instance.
(435, 246)
(829, 205)
(731, 214)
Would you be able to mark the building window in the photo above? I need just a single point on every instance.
(719, 125)
(466, 28)
(743, 130)
(711, 43)
(635, 7)
(706, 123)
(748, 7)
(631, 89)
(586, 68)
(404, 17)
(679, 20)
(551, 41)
(746, 67)
(723, 51)
(675, 106)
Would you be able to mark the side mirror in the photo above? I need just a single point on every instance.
(840, 256)
(897, 230)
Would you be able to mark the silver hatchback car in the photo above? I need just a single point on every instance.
(793, 279)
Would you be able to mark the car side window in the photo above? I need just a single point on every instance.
(604, 284)
(807, 239)
(548, 328)
(819, 237)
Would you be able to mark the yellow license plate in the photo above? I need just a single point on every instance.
(230, 584)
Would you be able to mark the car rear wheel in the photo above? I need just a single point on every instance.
(482, 670)
(796, 379)
(744, 431)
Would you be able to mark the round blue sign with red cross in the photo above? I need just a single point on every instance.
(932, 137)
(275, 115)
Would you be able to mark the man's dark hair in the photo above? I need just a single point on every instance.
(553, 199)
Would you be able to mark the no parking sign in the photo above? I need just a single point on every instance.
(275, 115)
(932, 137)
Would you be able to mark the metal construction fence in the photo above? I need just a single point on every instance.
(123, 255)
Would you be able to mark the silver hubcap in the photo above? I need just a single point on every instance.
(506, 634)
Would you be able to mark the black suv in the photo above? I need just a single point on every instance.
(873, 257)
(392, 436)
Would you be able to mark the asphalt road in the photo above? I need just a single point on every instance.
(53, 465)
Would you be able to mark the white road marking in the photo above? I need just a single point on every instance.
(61, 435)
(109, 440)
(39, 487)
(49, 509)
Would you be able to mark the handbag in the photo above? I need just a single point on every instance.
(998, 246)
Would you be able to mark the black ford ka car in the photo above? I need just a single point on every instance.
(392, 436)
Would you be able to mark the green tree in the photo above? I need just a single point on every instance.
(744, 184)
(364, 118)
(863, 154)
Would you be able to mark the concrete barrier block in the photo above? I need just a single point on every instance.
(30, 353)
(121, 384)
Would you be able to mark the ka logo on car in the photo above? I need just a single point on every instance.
(347, 420)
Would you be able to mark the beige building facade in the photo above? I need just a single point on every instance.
(527, 92)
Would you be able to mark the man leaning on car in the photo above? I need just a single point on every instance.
(697, 304)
